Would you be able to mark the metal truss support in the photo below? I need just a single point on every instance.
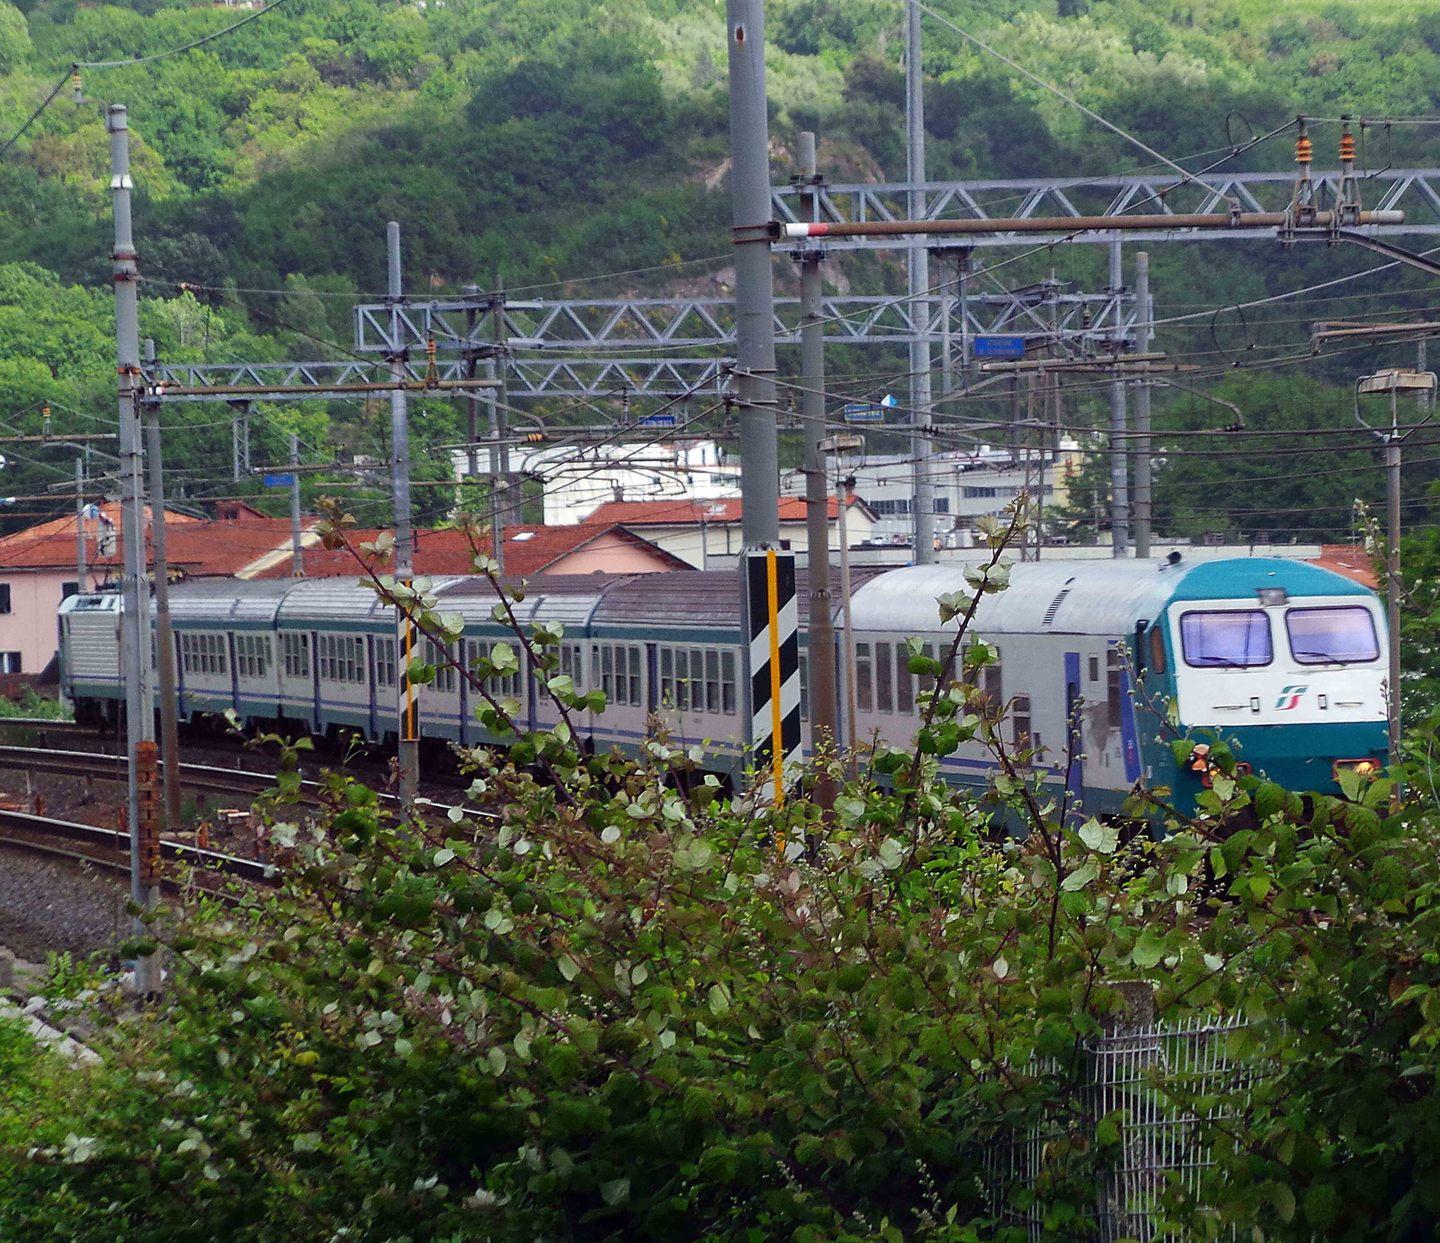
(1414, 191)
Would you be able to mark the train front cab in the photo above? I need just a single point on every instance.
(1293, 681)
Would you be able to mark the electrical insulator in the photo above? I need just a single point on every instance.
(77, 96)
(1304, 150)
(535, 438)
(1347, 147)
(45, 419)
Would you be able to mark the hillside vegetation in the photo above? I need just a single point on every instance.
(547, 140)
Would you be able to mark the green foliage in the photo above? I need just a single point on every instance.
(603, 1000)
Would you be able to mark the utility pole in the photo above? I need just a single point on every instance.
(80, 525)
(407, 734)
(844, 489)
(754, 280)
(297, 546)
(1119, 476)
(821, 631)
(921, 446)
(500, 502)
(1393, 381)
(472, 412)
(135, 616)
(1144, 315)
(164, 634)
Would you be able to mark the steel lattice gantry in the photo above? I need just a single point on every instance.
(543, 377)
(1414, 191)
(612, 325)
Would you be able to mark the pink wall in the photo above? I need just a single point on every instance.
(611, 555)
(32, 624)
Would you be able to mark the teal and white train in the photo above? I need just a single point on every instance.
(1097, 662)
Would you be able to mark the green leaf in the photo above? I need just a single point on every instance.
(1101, 838)
(569, 968)
(1081, 876)
(719, 999)
(1148, 951)
(615, 1192)
(443, 856)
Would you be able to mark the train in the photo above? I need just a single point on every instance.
(1100, 665)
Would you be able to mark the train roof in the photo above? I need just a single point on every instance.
(1083, 597)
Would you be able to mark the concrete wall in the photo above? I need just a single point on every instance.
(609, 554)
(698, 546)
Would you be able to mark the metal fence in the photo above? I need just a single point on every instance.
(1165, 1086)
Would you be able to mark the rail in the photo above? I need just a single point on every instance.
(116, 839)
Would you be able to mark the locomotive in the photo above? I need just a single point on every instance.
(1099, 664)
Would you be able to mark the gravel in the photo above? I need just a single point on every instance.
(49, 903)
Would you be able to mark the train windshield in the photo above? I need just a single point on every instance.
(1233, 639)
(1341, 635)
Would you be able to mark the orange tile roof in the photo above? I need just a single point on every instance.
(447, 550)
(195, 547)
(1349, 560)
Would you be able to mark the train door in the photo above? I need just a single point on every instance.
(373, 715)
(313, 640)
(234, 671)
(1074, 738)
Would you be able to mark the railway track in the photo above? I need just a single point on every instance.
(44, 833)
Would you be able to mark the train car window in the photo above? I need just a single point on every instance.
(571, 663)
(1232, 639)
(252, 655)
(712, 680)
(295, 652)
(1343, 634)
(682, 679)
(385, 671)
(884, 677)
(441, 657)
(862, 677)
(1094, 668)
(1114, 667)
(727, 682)
(904, 681)
(667, 678)
(1020, 723)
(804, 687)
(1157, 648)
(636, 699)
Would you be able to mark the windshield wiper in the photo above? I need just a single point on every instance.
(1324, 656)
(1219, 661)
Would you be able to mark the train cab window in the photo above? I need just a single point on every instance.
(1229, 639)
(1337, 635)
(992, 688)
(1114, 685)
(884, 677)
(1157, 649)
(1020, 735)
(863, 688)
(295, 655)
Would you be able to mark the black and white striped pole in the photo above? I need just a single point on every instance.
(772, 618)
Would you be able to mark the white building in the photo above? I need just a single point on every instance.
(578, 479)
(967, 485)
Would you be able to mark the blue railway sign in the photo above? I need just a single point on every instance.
(999, 347)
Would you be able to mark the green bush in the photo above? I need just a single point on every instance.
(624, 1005)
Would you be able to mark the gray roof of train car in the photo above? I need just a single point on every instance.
(569, 599)
(227, 599)
(1099, 597)
(706, 598)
